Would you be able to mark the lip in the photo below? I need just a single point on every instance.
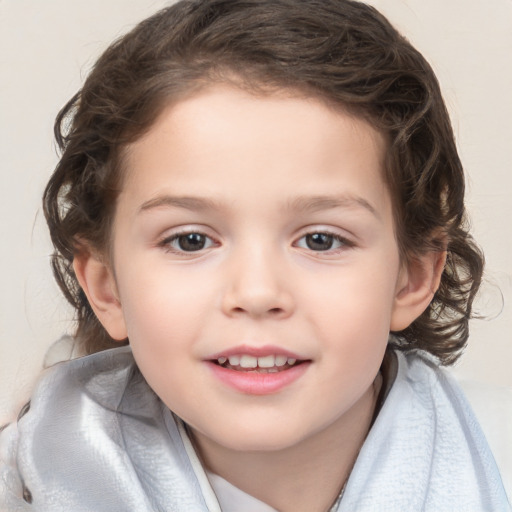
(255, 383)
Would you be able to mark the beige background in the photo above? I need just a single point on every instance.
(46, 48)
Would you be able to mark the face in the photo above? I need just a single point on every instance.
(256, 264)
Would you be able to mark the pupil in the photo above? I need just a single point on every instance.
(191, 242)
(319, 241)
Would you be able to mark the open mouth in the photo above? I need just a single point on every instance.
(261, 371)
(265, 364)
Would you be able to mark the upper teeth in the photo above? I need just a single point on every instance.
(247, 361)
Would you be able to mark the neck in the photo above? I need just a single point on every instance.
(311, 474)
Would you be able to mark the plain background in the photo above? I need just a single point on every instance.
(46, 49)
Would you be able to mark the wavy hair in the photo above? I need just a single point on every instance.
(342, 51)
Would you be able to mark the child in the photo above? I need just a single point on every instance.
(259, 210)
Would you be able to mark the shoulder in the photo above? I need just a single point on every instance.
(71, 419)
(493, 408)
(426, 450)
(13, 497)
(71, 395)
(483, 412)
(96, 437)
(422, 376)
(77, 396)
(101, 377)
(434, 390)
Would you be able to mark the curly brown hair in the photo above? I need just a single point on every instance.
(342, 51)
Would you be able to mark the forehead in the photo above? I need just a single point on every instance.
(224, 140)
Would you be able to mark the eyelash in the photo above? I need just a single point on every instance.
(344, 242)
(167, 242)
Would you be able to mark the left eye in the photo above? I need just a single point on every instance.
(321, 242)
(188, 242)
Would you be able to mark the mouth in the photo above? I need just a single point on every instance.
(258, 370)
(272, 363)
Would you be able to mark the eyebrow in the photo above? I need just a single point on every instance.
(186, 202)
(303, 204)
(319, 203)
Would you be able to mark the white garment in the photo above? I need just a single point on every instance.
(97, 439)
(426, 450)
(232, 499)
(493, 408)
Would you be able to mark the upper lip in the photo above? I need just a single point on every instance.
(259, 351)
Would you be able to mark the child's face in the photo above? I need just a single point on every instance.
(257, 226)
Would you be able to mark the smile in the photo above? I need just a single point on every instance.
(264, 364)
(257, 370)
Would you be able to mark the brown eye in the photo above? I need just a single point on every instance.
(191, 242)
(187, 242)
(319, 241)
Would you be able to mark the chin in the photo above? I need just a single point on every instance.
(260, 440)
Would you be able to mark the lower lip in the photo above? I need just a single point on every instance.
(254, 383)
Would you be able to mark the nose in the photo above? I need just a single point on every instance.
(257, 286)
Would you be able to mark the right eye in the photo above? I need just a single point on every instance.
(323, 241)
(187, 242)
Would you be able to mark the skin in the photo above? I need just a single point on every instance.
(264, 173)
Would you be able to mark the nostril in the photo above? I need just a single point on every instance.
(272, 311)
(240, 302)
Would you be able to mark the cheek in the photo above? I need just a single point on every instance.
(163, 319)
(352, 316)
(160, 306)
(359, 297)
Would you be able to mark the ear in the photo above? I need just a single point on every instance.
(98, 284)
(416, 286)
